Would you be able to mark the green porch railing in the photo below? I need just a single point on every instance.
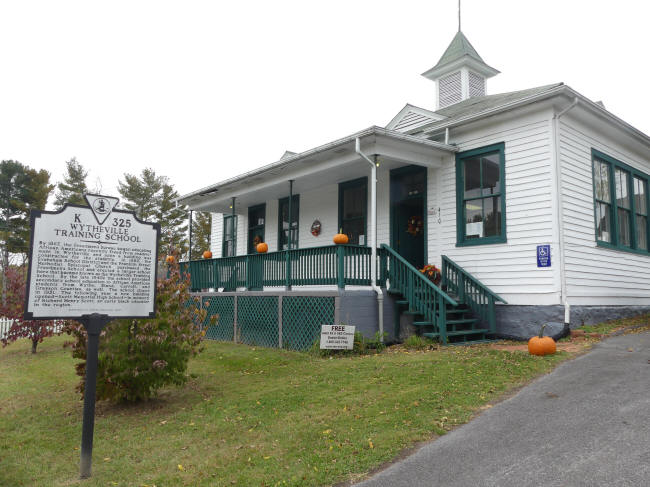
(480, 299)
(422, 295)
(339, 265)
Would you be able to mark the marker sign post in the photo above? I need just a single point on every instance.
(91, 264)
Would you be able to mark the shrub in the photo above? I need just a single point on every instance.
(12, 307)
(415, 342)
(138, 357)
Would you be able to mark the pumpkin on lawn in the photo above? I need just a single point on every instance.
(541, 345)
(341, 238)
(207, 254)
(262, 248)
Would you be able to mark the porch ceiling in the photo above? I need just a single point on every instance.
(330, 164)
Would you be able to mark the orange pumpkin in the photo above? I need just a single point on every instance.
(341, 238)
(262, 248)
(207, 254)
(170, 259)
(541, 345)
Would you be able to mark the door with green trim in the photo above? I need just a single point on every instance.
(408, 215)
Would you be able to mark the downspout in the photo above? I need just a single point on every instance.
(373, 237)
(560, 208)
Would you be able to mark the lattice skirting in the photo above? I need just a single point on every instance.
(279, 321)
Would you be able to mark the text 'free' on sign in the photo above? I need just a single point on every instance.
(337, 337)
(92, 259)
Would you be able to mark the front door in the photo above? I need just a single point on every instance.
(408, 215)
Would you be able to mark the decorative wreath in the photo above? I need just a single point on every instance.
(415, 225)
(315, 228)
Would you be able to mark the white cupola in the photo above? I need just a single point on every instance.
(460, 73)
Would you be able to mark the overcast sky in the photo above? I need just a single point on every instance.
(204, 90)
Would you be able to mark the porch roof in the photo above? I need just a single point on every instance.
(330, 163)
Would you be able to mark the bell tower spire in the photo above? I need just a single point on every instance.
(460, 73)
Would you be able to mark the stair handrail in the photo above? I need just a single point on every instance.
(420, 275)
(447, 261)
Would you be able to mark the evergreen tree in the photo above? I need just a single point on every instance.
(151, 197)
(173, 221)
(201, 229)
(141, 194)
(73, 187)
(22, 189)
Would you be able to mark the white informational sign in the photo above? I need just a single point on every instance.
(91, 260)
(337, 337)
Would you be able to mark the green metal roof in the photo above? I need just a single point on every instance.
(458, 48)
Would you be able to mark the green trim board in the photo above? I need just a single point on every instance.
(256, 225)
(295, 214)
(229, 237)
(396, 199)
(479, 157)
(347, 224)
(613, 204)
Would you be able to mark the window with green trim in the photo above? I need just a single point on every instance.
(480, 196)
(620, 204)
(229, 246)
(283, 222)
(353, 210)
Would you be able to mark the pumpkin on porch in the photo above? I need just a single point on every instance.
(341, 238)
(207, 254)
(262, 248)
(541, 345)
(170, 259)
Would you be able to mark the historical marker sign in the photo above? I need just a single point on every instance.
(91, 260)
(91, 264)
(337, 337)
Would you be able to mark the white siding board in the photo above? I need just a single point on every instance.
(216, 235)
(596, 275)
(509, 269)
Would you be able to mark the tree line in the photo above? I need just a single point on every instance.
(150, 195)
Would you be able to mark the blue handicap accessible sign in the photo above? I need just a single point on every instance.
(543, 256)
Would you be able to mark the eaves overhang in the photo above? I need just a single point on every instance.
(297, 161)
(570, 93)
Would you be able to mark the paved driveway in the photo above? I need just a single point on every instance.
(585, 424)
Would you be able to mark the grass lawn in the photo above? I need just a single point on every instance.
(249, 416)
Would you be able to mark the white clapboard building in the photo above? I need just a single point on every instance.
(533, 203)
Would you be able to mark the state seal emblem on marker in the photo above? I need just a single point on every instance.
(102, 206)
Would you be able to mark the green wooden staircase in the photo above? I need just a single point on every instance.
(460, 311)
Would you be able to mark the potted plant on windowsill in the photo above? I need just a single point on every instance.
(432, 273)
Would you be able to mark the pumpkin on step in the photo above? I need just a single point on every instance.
(341, 238)
(207, 254)
(170, 259)
(541, 345)
(262, 248)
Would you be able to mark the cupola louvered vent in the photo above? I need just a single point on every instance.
(450, 90)
(476, 85)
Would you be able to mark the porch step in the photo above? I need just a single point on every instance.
(422, 323)
(465, 321)
(481, 331)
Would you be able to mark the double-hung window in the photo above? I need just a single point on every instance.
(283, 222)
(481, 196)
(620, 204)
(229, 236)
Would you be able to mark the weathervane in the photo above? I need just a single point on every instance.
(458, 15)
